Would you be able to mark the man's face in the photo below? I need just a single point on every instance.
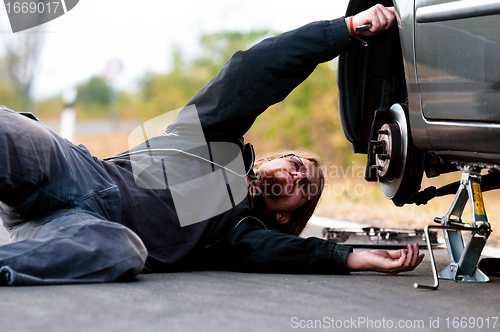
(287, 183)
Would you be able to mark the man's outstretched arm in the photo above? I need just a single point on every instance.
(265, 74)
(251, 248)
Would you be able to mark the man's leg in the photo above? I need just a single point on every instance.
(40, 172)
(58, 204)
(70, 246)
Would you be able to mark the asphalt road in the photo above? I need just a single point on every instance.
(227, 301)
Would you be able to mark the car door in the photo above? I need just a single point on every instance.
(457, 45)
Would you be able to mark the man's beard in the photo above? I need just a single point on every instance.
(271, 185)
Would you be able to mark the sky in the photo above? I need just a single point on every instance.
(141, 34)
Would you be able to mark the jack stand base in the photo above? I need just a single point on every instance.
(450, 273)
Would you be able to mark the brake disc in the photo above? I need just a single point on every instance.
(391, 153)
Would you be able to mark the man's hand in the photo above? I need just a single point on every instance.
(381, 18)
(386, 261)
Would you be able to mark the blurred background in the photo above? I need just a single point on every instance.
(114, 64)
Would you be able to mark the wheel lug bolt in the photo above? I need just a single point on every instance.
(378, 149)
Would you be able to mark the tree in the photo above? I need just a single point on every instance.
(20, 62)
(94, 92)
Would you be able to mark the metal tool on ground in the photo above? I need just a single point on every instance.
(375, 237)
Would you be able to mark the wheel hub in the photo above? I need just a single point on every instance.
(387, 150)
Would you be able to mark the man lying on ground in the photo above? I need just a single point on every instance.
(73, 218)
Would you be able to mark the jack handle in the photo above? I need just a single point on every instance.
(433, 263)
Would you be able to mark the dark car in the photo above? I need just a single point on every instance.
(424, 96)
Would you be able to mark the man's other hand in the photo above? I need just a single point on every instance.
(386, 261)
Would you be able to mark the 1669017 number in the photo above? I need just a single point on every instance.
(471, 322)
(32, 7)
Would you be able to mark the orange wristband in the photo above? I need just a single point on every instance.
(349, 26)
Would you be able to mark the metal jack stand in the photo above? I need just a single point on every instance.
(463, 258)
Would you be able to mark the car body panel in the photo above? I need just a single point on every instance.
(458, 64)
(406, 19)
(458, 76)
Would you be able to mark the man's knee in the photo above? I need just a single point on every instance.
(123, 250)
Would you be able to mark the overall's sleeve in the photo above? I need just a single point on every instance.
(250, 248)
(265, 74)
